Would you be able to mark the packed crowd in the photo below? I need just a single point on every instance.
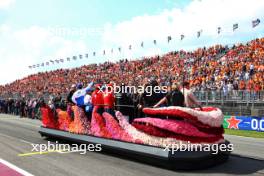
(219, 67)
(21, 107)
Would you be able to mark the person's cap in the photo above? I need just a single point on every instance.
(79, 86)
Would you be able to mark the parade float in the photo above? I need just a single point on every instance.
(154, 139)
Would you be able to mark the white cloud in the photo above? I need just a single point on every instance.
(5, 4)
(34, 45)
(199, 14)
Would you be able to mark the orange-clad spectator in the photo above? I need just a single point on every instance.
(242, 85)
(257, 87)
(250, 85)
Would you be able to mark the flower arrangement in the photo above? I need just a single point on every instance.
(191, 125)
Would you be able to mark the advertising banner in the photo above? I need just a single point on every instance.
(244, 123)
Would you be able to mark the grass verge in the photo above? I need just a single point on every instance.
(255, 134)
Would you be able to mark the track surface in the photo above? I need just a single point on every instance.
(16, 135)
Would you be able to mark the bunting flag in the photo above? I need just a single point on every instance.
(235, 26)
(218, 30)
(199, 33)
(182, 37)
(255, 22)
(169, 39)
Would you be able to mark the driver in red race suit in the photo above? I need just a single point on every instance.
(98, 99)
(109, 99)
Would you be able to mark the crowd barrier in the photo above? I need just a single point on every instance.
(237, 101)
(204, 96)
(236, 96)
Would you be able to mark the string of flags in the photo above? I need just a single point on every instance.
(218, 30)
(235, 26)
(254, 24)
(182, 36)
(199, 33)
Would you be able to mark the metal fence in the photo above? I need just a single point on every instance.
(207, 97)
(231, 103)
(246, 98)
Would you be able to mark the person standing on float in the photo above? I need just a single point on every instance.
(78, 96)
(189, 98)
(109, 99)
(98, 99)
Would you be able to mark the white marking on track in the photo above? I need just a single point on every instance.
(12, 166)
(26, 141)
(17, 139)
(64, 152)
(19, 122)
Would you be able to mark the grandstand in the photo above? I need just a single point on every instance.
(230, 77)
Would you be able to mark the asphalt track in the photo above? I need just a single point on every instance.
(16, 135)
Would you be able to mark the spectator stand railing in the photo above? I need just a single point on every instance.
(236, 96)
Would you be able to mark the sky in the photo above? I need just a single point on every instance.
(37, 31)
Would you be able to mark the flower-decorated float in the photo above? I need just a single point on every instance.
(159, 138)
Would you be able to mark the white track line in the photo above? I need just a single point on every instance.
(19, 122)
(26, 141)
(65, 152)
(11, 137)
(19, 170)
